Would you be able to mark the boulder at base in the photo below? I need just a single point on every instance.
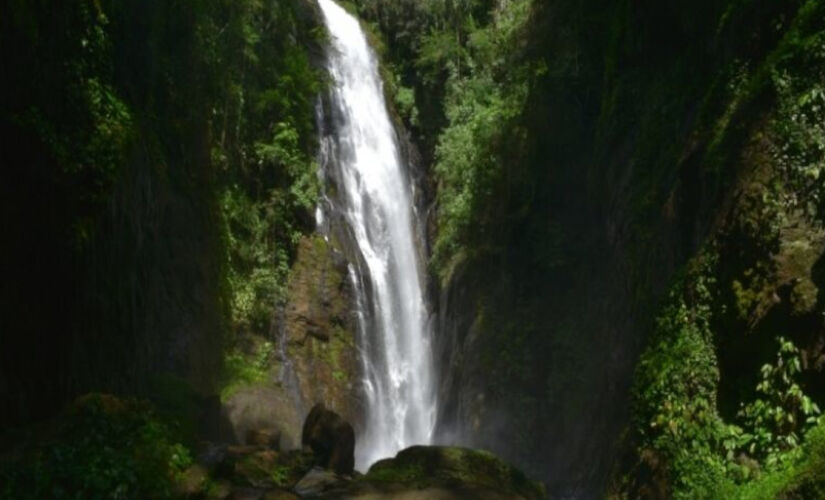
(448, 473)
(317, 481)
(331, 439)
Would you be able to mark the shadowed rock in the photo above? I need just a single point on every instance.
(331, 439)
(442, 472)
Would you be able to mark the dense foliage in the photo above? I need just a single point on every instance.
(458, 68)
(735, 290)
(679, 422)
(265, 148)
(160, 173)
(264, 153)
(582, 153)
(103, 447)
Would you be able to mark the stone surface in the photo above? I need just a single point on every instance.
(268, 469)
(445, 472)
(256, 469)
(419, 472)
(331, 439)
(319, 321)
(260, 406)
(317, 481)
(266, 438)
(211, 455)
(314, 358)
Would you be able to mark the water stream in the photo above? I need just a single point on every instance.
(372, 198)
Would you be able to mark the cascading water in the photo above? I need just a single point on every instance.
(360, 156)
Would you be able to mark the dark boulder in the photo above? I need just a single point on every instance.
(317, 481)
(446, 473)
(331, 439)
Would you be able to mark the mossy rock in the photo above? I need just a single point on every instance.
(270, 468)
(320, 323)
(192, 482)
(453, 469)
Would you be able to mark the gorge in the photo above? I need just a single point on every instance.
(584, 236)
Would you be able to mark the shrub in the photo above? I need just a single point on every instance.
(103, 447)
(776, 419)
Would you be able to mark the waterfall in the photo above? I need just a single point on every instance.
(372, 199)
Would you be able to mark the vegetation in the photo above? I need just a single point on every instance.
(180, 142)
(104, 447)
(678, 382)
(456, 67)
(265, 162)
(244, 369)
(628, 203)
(161, 170)
(676, 390)
(783, 410)
(676, 403)
(582, 153)
(265, 155)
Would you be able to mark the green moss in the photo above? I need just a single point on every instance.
(422, 466)
(258, 469)
(386, 472)
(265, 469)
(675, 390)
(246, 368)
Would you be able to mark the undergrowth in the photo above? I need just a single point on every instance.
(103, 447)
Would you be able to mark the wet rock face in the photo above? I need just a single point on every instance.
(313, 355)
(262, 406)
(319, 322)
(331, 439)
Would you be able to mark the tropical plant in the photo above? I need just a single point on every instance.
(782, 413)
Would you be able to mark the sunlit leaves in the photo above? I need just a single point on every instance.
(481, 107)
(778, 418)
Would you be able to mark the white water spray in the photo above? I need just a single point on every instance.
(373, 199)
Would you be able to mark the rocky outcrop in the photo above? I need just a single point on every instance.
(417, 473)
(318, 325)
(313, 354)
(330, 438)
(443, 472)
(139, 452)
(262, 405)
(244, 472)
(323, 469)
(542, 323)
